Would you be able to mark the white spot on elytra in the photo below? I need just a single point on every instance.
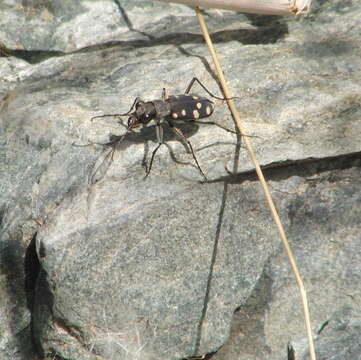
(195, 97)
(174, 115)
(199, 105)
(208, 110)
(183, 112)
(195, 114)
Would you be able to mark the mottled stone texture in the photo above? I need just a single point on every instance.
(169, 267)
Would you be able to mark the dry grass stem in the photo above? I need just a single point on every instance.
(262, 180)
(266, 7)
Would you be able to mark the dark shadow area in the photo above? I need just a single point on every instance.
(11, 268)
(290, 352)
(214, 255)
(34, 56)
(242, 36)
(30, 56)
(304, 168)
(32, 268)
(247, 327)
(201, 357)
(247, 37)
(147, 135)
(143, 135)
(211, 268)
(270, 29)
(237, 152)
(45, 319)
(4, 51)
(248, 318)
(44, 301)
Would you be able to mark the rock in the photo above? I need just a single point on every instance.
(102, 263)
(322, 213)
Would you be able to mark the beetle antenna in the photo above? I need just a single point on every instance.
(107, 115)
(137, 99)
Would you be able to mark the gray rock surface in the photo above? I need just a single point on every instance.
(132, 269)
(323, 212)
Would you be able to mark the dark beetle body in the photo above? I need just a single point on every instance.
(189, 107)
(168, 109)
(180, 107)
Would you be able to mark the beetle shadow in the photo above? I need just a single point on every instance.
(216, 240)
(144, 135)
(148, 133)
(188, 129)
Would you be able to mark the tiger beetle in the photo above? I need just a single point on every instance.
(185, 107)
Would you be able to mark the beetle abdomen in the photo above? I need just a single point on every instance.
(189, 107)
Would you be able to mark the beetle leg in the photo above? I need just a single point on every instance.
(159, 132)
(190, 85)
(179, 133)
(216, 124)
(164, 94)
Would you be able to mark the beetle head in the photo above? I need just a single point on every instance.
(143, 114)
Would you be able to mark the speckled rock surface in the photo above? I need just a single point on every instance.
(126, 268)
